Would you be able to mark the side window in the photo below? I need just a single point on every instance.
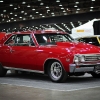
(41, 39)
(11, 40)
(20, 40)
(24, 40)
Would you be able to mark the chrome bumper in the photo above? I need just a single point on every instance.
(82, 67)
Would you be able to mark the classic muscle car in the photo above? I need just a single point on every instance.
(49, 52)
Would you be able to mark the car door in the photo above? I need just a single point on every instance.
(23, 52)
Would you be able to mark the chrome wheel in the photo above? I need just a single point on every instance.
(56, 70)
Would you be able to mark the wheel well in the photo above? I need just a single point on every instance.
(0, 64)
(47, 63)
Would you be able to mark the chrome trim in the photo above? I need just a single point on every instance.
(94, 64)
(84, 69)
(20, 69)
(73, 69)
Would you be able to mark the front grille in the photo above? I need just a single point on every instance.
(89, 58)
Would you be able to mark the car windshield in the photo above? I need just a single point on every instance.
(46, 39)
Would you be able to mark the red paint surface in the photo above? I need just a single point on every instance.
(34, 57)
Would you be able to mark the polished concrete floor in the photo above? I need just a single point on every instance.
(13, 92)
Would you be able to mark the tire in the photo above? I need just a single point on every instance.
(2, 71)
(95, 75)
(56, 72)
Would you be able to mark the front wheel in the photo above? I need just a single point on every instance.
(2, 71)
(95, 75)
(56, 72)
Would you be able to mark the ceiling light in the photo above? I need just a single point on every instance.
(40, 14)
(91, 7)
(64, 11)
(43, 16)
(41, 3)
(62, 8)
(78, 8)
(15, 8)
(48, 10)
(24, 18)
(23, 2)
(28, 6)
(11, 13)
(60, 5)
(12, 18)
(1, 0)
(18, 6)
(20, 17)
(1, 14)
(92, 0)
(15, 15)
(39, 0)
(77, 2)
(52, 13)
(37, 12)
(46, 7)
(77, 12)
(25, 13)
(30, 15)
(33, 9)
(15, 20)
(11, 5)
(4, 10)
(75, 6)
(57, 0)
(22, 11)
(3, 19)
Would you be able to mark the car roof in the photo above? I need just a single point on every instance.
(40, 32)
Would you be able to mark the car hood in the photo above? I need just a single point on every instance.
(78, 47)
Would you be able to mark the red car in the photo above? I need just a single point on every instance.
(2, 34)
(53, 53)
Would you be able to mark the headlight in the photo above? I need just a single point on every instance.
(79, 58)
(76, 59)
(82, 58)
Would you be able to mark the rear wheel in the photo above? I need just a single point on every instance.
(56, 72)
(2, 71)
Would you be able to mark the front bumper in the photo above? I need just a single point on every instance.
(84, 67)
